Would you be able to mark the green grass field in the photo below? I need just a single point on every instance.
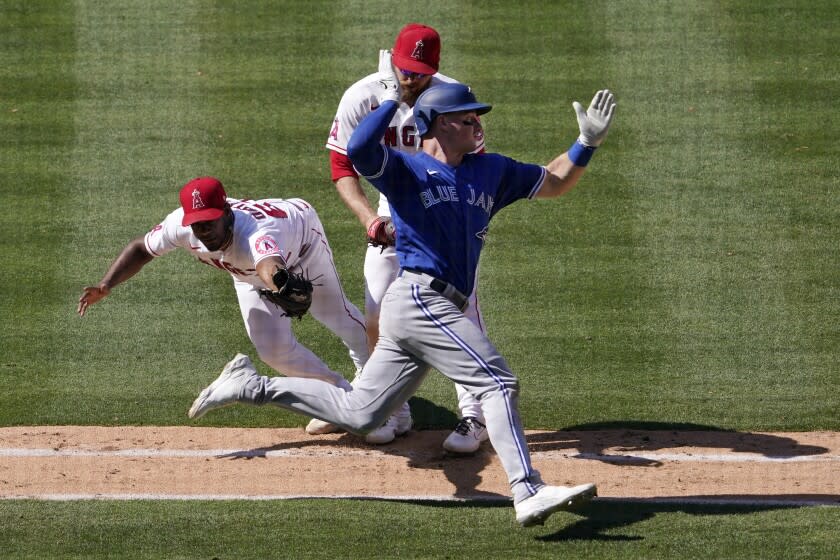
(304, 529)
(691, 278)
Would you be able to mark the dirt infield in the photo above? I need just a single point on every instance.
(69, 462)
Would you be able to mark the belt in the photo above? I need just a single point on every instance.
(445, 289)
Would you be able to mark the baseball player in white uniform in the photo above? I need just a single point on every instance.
(416, 55)
(250, 239)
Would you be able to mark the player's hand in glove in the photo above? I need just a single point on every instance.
(595, 121)
(382, 233)
(387, 79)
(293, 294)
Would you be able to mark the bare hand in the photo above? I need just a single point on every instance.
(91, 295)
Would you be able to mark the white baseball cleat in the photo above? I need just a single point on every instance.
(317, 427)
(226, 388)
(467, 436)
(397, 424)
(548, 499)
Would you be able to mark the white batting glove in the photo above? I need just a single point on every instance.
(387, 79)
(595, 121)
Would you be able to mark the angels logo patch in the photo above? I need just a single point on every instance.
(417, 53)
(266, 245)
(196, 200)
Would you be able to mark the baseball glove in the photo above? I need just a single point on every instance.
(382, 233)
(293, 295)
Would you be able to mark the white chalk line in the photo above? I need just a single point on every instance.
(24, 452)
(181, 453)
(741, 501)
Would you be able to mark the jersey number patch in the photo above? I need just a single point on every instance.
(260, 210)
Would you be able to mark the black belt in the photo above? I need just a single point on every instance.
(445, 289)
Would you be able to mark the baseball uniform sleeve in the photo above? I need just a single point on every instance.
(167, 235)
(263, 244)
(369, 157)
(356, 102)
(341, 166)
(517, 180)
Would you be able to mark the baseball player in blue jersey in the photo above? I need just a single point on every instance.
(441, 201)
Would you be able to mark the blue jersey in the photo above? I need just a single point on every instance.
(441, 213)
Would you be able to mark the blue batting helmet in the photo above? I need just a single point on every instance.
(442, 99)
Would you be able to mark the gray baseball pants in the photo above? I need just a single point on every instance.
(420, 329)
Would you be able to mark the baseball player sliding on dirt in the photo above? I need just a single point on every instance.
(441, 201)
(253, 241)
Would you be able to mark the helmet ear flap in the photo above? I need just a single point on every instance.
(423, 122)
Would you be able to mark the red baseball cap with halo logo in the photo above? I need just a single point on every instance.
(202, 199)
(417, 49)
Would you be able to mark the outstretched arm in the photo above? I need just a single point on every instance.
(129, 262)
(566, 169)
(562, 177)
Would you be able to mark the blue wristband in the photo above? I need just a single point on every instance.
(580, 154)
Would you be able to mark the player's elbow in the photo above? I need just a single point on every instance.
(136, 252)
(366, 157)
(355, 148)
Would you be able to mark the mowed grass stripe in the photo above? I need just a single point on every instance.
(793, 171)
(36, 119)
(332, 528)
(677, 310)
(141, 130)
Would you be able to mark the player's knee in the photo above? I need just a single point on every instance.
(366, 422)
(507, 387)
(512, 386)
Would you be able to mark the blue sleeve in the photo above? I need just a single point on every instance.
(518, 181)
(364, 148)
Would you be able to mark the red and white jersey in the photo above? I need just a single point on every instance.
(273, 227)
(357, 102)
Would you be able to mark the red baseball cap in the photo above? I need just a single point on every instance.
(417, 49)
(203, 199)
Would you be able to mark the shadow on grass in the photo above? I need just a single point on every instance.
(603, 516)
(429, 416)
(599, 519)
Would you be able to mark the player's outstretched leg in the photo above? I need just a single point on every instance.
(226, 389)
